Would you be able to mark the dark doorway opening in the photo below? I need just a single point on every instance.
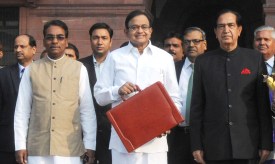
(9, 29)
(176, 15)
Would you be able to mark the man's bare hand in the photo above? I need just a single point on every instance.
(127, 88)
(198, 156)
(21, 156)
(263, 155)
(89, 157)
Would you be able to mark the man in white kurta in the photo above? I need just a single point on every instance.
(55, 121)
(129, 66)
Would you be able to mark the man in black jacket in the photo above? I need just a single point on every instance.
(24, 49)
(101, 42)
(230, 110)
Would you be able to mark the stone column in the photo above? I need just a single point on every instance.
(269, 11)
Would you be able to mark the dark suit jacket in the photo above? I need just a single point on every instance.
(103, 124)
(9, 84)
(230, 110)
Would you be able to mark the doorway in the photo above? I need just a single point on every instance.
(176, 15)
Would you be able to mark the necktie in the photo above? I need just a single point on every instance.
(22, 72)
(189, 95)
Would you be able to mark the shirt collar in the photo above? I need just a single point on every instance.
(148, 49)
(20, 67)
(187, 63)
(56, 59)
(270, 62)
(94, 60)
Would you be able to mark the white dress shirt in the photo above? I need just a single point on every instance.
(23, 109)
(269, 65)
(183, 85)
(126, 64)
(98, 67)
(20, 70)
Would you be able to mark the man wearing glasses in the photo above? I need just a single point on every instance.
(230, 111)
(54, 119)
(139, 63)
(194, 44)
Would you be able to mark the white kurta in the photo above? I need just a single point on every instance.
(127, 65)
(22, 115)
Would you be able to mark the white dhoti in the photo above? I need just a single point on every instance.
(53, 160)
(138, 158)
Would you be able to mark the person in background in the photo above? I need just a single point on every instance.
(24, 50)
(72, 52)
(101, 41)
(55, 123)
(173, 44)
(194, 44)
(43, 54)
(230, 115)
(264, 42)
(1, 52)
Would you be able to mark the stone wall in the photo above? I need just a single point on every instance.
(79, 15)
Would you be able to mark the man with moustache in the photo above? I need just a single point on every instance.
(194, 44)
(24, 50)
(54, 120)
(139, 63)
(264, 42)
(173, 44)
(230, 115)
(101, 41)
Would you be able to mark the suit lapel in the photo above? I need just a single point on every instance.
(14, 74)
(91, 71)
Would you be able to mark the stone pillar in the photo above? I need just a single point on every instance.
(269, 11)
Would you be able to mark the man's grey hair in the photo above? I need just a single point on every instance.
(191, 29)
(265, 28)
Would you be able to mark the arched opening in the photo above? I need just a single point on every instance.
(176, 15)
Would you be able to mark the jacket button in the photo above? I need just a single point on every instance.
(230, 123)
(230, 106)
(229, 90)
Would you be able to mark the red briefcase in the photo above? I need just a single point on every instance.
(144, 116)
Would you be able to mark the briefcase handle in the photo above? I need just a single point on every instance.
(138, 89)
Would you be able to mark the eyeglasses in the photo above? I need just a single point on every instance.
(52, 37)
(144, 27)
(194, 41)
